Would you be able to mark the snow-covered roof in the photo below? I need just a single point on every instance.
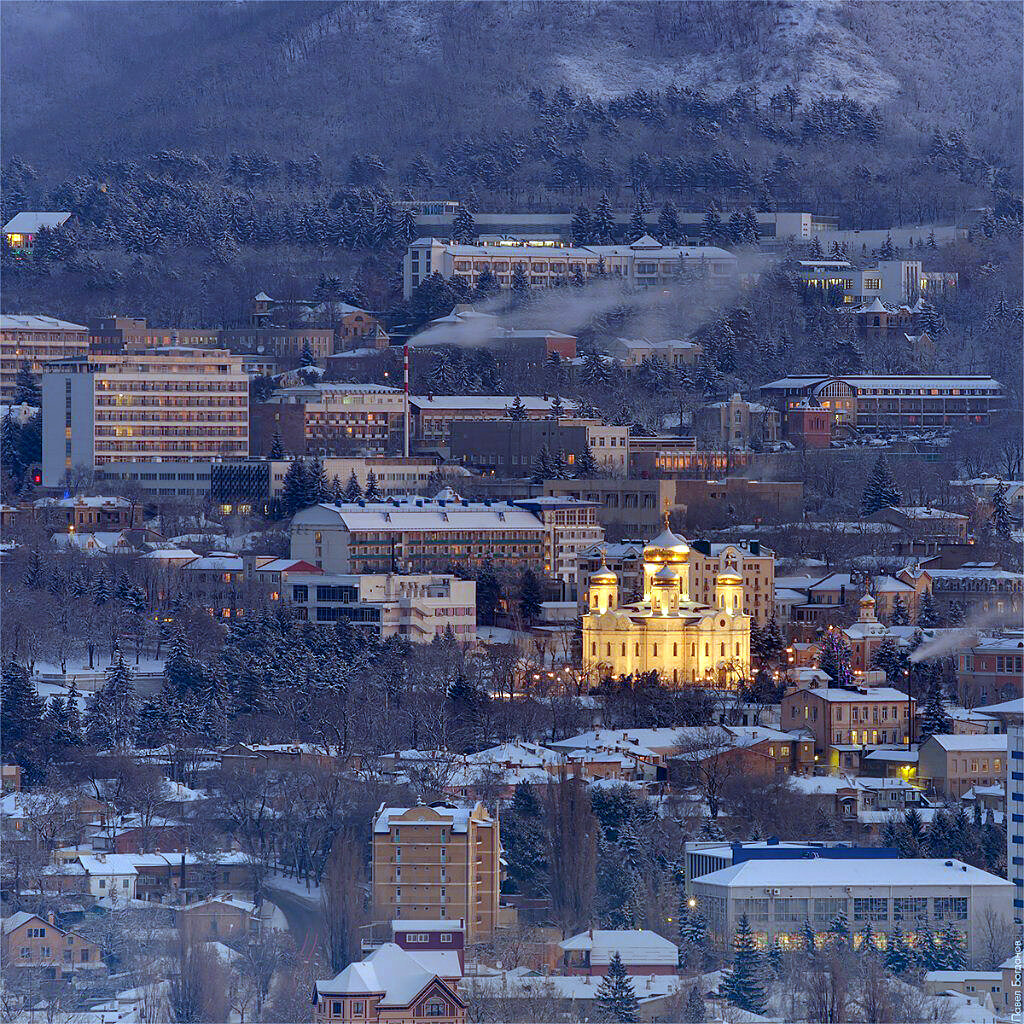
(925, 512)
(218, 561)
(634, 947)
(396, 974)
(917, 381)
(458, 816)
(84, 501)
(434, 924)
(833, 873)
(289, 565)
(834, 695)
(383, 517)
(651, 739)
(17, 920)
(966, 743)
(652, 249)
(108, 864)
(171, 554)
(493, 403)
(29, 222)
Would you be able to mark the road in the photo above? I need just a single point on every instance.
(305, 921)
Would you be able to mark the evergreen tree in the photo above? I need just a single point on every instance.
(774, 958)
(897, 953)
(294, 488)
(615, 995)
(670, 230)
(182, 673)
(694, 1010)
(307, 358)
(74, 713)
(887, 250)
(952, 952)
(463, 226)
(558, 466)
(807, 932)
(112, 711)
(745, 986)
(542, 465)
(637, 223)
(22, 715)
(373, 491)
(900, 615)
(881, 490)
(10, 448)
(530, 595)
(277, 446)
(587, 467)
(516, 411)
(488, 594)
(834, 659)
(927, 612)
(933, 716)
(1000, 516)
(693, 934)
(520, 285)
(711, 228)
(868, 942)
(337, 491)
(602, 227)
(353, 491)
(582, 226)
(816, 253)
(926, 953)
(317, 487)
(26, 388)
(839, 929)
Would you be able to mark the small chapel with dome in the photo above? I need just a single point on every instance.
(686, 642)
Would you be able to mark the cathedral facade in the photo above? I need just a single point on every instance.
(686, 642)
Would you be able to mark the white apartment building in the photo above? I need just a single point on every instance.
(779, 894)
(416, 607)
(174, 403)
(642, 263)
(897, 282)
(36, 340)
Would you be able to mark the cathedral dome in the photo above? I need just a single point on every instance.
(604, 574)
(666, 576)
(667, 547)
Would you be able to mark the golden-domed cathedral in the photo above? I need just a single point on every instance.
(684, 641)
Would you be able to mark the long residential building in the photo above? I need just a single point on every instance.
(418, 535)
(184, 404)
(35, 340)
(640, 264)
(894, 281)
(893, 403)
(434, 415)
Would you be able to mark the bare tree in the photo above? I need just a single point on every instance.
(826, 983)
(709, 762)
(199, 987)
(572, 858)
(343, 899)
(995, 939)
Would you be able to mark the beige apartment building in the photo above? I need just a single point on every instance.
(160, 404)
(36, 340)
(437, 862)
(950, 764)
(750, 560)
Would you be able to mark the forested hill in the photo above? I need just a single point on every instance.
(85, 82)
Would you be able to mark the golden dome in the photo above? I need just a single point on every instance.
(604, 574)
(729, 578)
(667, 547)
(666, 576)
(866, 600)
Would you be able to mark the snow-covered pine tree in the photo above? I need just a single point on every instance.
(711, 228)
(615, 995)
(774, 958)
(693, 933)
(868, 941)
(669, 228)
(373, 491)
(1002, 524)
(951, 949)
(887, 251)
(745, 986)
(897, 956)
(839, 929)
(586, 465)
(317, 487)
(834, 659)
(337, 491)
(637, 223)
(927, 612)
(516, 411)
(582, 225)
(900, 615)
(809, 938)
(26, 387)
(463, 226)
(602, 225)
(816, 252)
(693, 1013)
(542, 465)
(294, 488)
(934, 718)
(926, 954)
(559, 470)
(353, 490)
(881, 490)
(112, 711)
(277, 446)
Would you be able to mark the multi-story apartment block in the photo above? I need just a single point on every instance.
(892, 403)
(509, 447)
(976, 587)
(750, 560)
(434, 415)
(889, 281)
(330, 419)
(570, 526)
(843, 720)
(779, 895)
(440, 861)
(30, 942)
(89, 514)
(949, 764)
(36, 340)
(418, 607)
(643, 263)
(178, 404)
(991, 669)
(418, 535)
